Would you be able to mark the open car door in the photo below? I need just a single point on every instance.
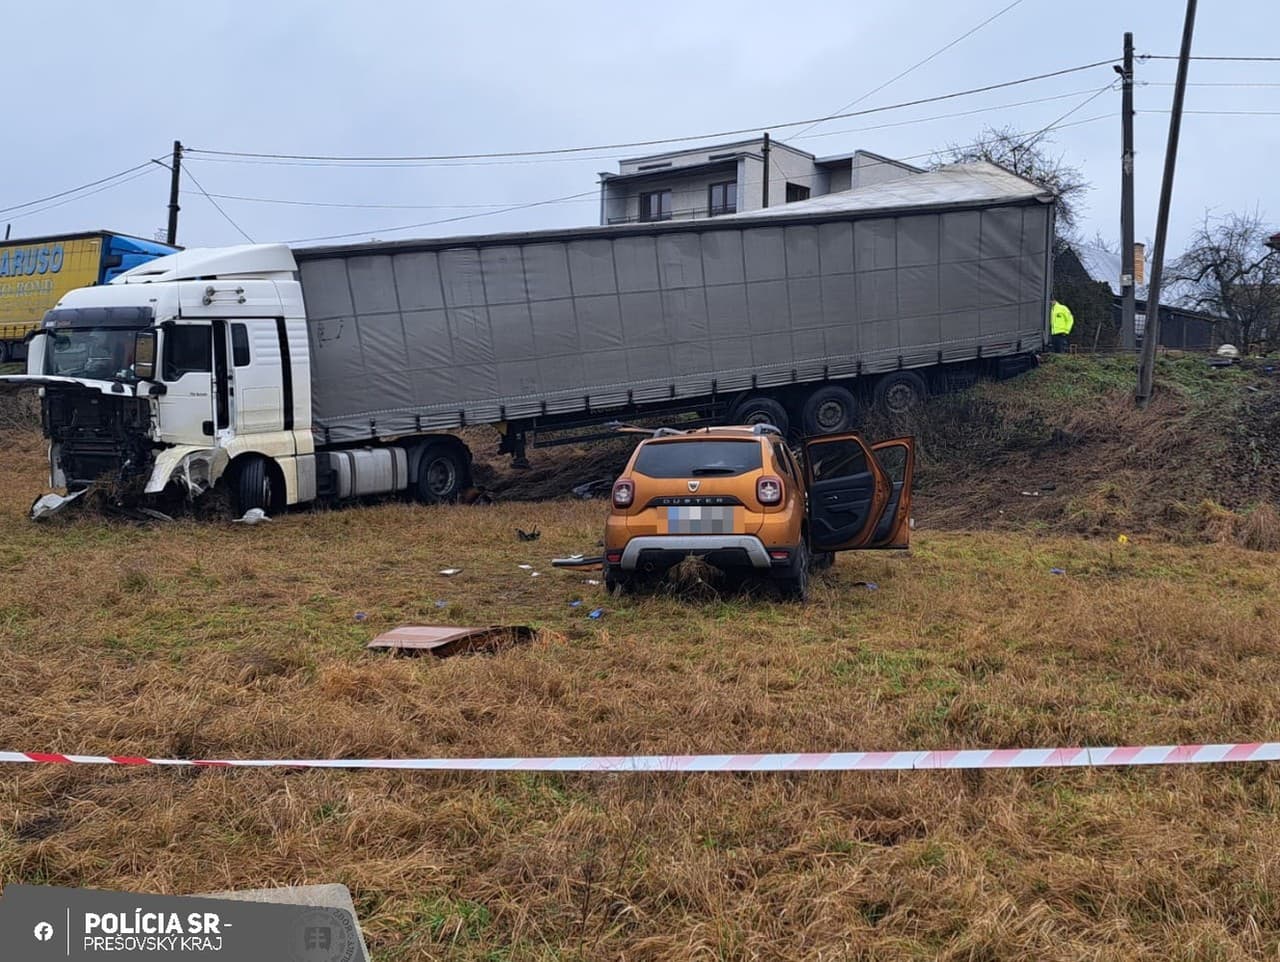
(848, 492)
(898, 460)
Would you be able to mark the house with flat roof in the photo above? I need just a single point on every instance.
(730, 178)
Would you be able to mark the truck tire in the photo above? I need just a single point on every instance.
(902, 392)
(761, 410)
(830, 409)
(443, 473)
(253, 486)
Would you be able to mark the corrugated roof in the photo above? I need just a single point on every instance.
(1104, 265)
(974, 183)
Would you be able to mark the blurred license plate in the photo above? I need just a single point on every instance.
(700, 520)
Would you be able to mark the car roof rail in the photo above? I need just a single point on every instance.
(765, 429)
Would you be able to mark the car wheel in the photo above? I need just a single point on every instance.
(442, 473)
(830, 409)
(793, 582)
(617, 581)
(902, 392)
(762, 410)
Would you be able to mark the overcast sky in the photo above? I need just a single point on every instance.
(96, 89)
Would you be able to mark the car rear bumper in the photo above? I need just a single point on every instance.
(658, 548)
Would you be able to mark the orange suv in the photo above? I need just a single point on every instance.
(739, 498)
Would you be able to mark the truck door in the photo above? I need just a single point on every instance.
(186, 367)
(848, 492)
(258, 375)
(898, 459)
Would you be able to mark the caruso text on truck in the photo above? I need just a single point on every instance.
(333, 373)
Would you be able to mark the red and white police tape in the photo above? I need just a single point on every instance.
(802, 762)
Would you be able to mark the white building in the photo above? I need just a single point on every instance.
(728, 178)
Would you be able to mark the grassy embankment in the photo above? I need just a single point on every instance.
(218, 640)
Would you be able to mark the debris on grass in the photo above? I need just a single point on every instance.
(450, 572)
(869, 585)
(1057, 571)
(578, 561)
(532, 535)
(252, 516)
(446, 640)
(361, 616)
(596, 613)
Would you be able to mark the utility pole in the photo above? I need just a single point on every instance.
(1128, 272)
(1151, 330)
(175, 181)
(764, 151)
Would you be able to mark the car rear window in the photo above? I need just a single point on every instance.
(697, 459)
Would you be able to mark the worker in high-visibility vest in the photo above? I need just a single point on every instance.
(1060, 324)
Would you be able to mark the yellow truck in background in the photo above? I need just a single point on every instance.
(35, 272)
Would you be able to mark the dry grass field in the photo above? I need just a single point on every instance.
(220, 640)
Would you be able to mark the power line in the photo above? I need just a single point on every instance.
(959, 113)
(146, 169)
(446, 220)
(74, 190)
(331, 159)
(1220, 113)
(316, 203)
(217, 206)
(1156, 56)
(362, 206)
(1084, 103)
(921, 63)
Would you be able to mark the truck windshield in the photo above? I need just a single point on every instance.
(104, 354)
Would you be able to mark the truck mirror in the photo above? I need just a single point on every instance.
(144, 355)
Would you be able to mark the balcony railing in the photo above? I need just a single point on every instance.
(691, 213)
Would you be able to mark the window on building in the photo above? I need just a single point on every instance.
(722, 198)
(796, 192)
(655, 205)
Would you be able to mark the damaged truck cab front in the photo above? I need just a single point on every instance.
(160, 380)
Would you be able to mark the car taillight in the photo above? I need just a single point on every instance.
(624, 492)
(769, 490)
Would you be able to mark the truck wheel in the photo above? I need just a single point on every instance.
(901, 392)
(830, 409)
(442, 473)
(253, 486)
(762, 410)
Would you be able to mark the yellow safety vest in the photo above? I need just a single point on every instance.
(1061, 321)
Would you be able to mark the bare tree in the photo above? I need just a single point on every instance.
(1027, 157)
(1227, 270)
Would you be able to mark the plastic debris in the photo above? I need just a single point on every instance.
(1031, 494)
(449, 572)
(1122, 538)
(51, 503)
(578, 561)
(593, 581)
(576, 603)
(441, 603)
(596, 613)
(252, 516)
(869, 585)
(1057, 571)
(533, 535)
(525, 567)
(535, 574)
(361, 616)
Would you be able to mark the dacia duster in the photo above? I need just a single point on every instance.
(740, 499)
